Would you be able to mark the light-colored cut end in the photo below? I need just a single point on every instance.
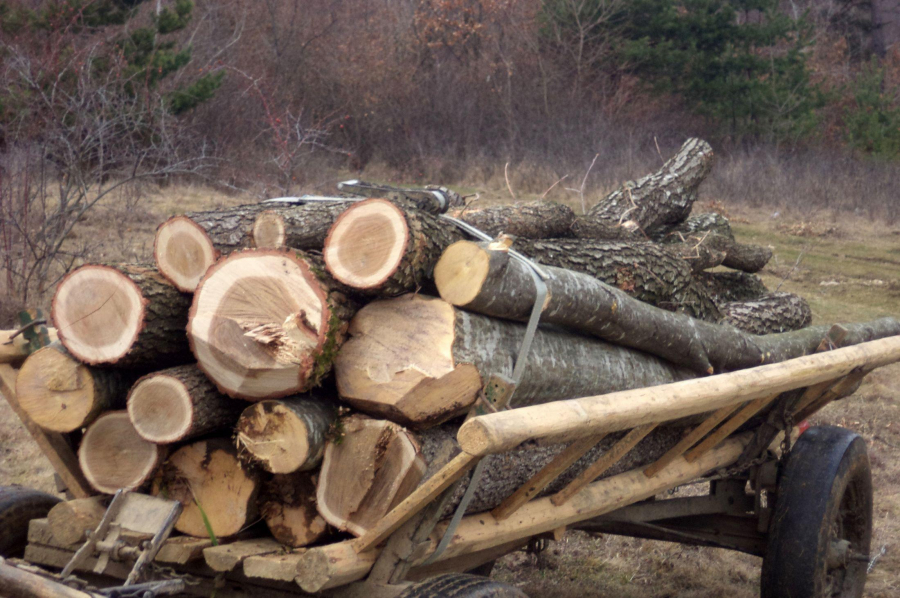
(160, 408)
(112, 455)
(275, 436)
(56, 390)
(461, 272)
(183, 252)
(99, 313)
(268, 230)
(366, 243)
(473, 438)
(257, 322)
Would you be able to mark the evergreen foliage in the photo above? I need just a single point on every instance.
(873, 124)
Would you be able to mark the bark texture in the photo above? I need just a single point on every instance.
(650, 205)
(725, 287)
(288, 504)
(534, 220)
(434, 199)
(774, 312)
(740, 256)
(709, 222)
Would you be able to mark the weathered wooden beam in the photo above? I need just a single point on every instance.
(729, 427)
(692, 438)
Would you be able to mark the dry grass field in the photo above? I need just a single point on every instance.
(848, 269)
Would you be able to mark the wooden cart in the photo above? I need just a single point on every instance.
(802, 502)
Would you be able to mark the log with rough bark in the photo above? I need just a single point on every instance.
(286, 435)
(367, 470)
(709, 222)
(380, 248)
(288, 505)
(771, 313)
(217, 491)
(122, 314)
(724, 287)
(264, 324)
(186, 246)
(534, 220)
(179, 403)
(698, 255)
(432, 198)
(62, 394)
(69, 520)
(112, 455)
(714, 232)
(652, 204)
(419, 361)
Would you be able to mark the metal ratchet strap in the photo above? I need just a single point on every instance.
(539, 276)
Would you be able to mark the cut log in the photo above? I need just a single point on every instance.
(186, 246)
(725, 287)
(709, 222)
(122, 314)
(432, 198)
(367, 470)
(534, 220)
(698, 255)
(14, 350)
(179, 403)
(69, 520)
(112, 455)
(288, 504)
(217, 491)
(262, 325)
(646, 207)
(286, 435)
(61, 394)
(714, 231)
(774, 312)
(418, 361)
(379, 248)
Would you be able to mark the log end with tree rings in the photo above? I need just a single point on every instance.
(160, 409)
(288, 504)
(269, 230)
(217, 491)
(183, 252)
(258, 324)
(366, 244)
(461, 272)
(112, 455)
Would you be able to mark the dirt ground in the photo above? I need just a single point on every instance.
(848, 269)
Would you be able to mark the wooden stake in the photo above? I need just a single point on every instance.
(692, 438)
(731, 426)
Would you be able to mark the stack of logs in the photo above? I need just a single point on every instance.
(309, 364)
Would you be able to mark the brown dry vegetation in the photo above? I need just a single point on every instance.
(849, 269)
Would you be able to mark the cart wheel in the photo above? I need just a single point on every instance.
(822, 525)
(461, 585)
(18, 506)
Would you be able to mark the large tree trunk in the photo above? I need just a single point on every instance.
(112, 455)
(187, 246)
(288, 504)
(369, 469)
(263, 325)
(122, 314)
(286, 435)
(652, 204)
(178, 404)
(534, 220)
(217, 491)
(771, 313)
(61, 394)
(381, 249)
(418, 361)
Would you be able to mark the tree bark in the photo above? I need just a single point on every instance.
(217, 492)
(70, 520)
(286, 435)
(432, 198)
(418, 361)
(367, 470)
(709, 222)
(652, 204)
(112, 455)
(771, 313)
(179, 403)
(288, 504)
(121, 314)
(725, 287)
(534, 220)
(61, 394)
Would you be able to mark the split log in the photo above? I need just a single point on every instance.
(122, 314)
(432, 198)
(286, 435)
(534, 220)
(263, 325)
(367, 470)
(14, 350)
(288, 504)
(179, 403)
(774, 312)
(69, 520)
(379, 248)
(725, 287)
(217, 491)
(418, 361)
(652, 204)
(187, 246)
(112, 455)
(61, 394)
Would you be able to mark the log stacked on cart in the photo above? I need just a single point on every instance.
(310, 364)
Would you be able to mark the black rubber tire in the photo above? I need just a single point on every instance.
(484, 569)
(18, 506)
(824, 495)
(461, 585)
